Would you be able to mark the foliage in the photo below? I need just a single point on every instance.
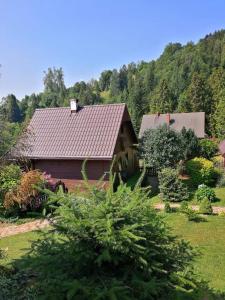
(201, 171)
(192, 215)
(219, 118)
(9, 133)
(183, 206)
(204, 191)
(103, 237)
(162, 99)
(221, 180)
(161, 147)
(167, 208)
(208, 148)
(27, 194)
(12, 112)
(205, 207)
(198, 94)
(54, 86)
(190, 143)
(171, 187)
(16, 286)
(184, 78)
(9, 178)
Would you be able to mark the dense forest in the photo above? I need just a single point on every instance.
(184, 78)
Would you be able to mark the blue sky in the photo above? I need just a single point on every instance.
(85, 37)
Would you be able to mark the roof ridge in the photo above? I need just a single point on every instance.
(87, 106)
(176, 113)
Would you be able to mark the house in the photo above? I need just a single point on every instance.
(222, 150)
(62, 138)
(193, 120)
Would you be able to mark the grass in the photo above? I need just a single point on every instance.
(208, 237)
(220, 195)
(17, 245)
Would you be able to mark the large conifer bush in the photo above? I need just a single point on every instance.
(171, 187)
(109, 245)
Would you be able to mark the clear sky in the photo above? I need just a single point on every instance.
(85, 37)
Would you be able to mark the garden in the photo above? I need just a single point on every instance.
(133, 242)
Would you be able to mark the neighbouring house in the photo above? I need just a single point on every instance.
(62, 138)
(193, 120)
(222, 150)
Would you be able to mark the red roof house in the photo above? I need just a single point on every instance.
(176, 121)
(62, 138)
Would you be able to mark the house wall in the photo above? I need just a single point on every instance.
(125, 153)
(71, 169)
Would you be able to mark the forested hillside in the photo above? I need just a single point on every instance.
(184, 78)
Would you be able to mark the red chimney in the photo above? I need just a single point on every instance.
(168, 119)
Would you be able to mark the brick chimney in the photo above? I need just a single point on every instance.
(168, 119)
(74, 106)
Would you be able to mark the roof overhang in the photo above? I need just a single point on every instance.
(68, 158)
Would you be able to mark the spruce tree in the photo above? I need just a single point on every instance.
(217, 85)
(220, 119)
(110, 245)
(198, 94)
(137, 102)
(162, 99)
(12, 109)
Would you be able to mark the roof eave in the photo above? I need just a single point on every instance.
(69, 158)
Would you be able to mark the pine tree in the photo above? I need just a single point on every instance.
(217, 85)
(12, 109)
(114, 83)
(220, 119)
(198, 94)
(162, 100)
(137, 103)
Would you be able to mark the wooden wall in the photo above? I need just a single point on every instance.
(71, 169)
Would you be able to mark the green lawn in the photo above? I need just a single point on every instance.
(209, 238)
(18, 244)
(220, 194)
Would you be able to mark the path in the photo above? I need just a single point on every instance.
(216, 209)
(7, 230)
(16, 229)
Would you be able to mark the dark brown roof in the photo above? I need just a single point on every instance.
(222, 147)
(193, 120)
(89, 133)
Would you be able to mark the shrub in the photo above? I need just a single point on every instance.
(204, 191)
(201, 171)
(192, 215)
(167, 208)
(221, 180)
(171, 187)
(9, 178)
(205, 207)
(208, 148)
(26, 195)
(161, 147)
(190, 143)
(184, 207)
(103, 237)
